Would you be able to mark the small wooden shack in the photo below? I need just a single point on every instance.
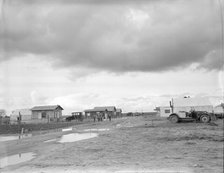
(47, 113)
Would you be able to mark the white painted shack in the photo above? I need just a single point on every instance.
(48, 113)
(26, 115)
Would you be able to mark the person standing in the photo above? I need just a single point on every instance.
(101, 116)
(94, 117)
(109, 116)
(98, 116)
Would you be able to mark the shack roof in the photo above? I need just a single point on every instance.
(46, 108)
(103, 108)
(89, 110)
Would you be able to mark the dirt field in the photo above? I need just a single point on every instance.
(134, 144)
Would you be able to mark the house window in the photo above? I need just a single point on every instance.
(167, 111)
(43, 115)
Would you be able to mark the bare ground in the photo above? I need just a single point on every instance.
(135, 144)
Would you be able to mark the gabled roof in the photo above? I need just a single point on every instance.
(104, 108)
(46, 108)
(184, 102)
(89, 110)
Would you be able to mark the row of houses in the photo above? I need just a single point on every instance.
(188, 104)
(53, 113)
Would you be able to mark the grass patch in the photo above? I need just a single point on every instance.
(194, 137)
(15, 128)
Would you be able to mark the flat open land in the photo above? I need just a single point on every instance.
(133, 144)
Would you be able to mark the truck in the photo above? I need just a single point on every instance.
(193, 112)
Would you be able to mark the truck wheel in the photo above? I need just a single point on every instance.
(174, 118)
(204, 119)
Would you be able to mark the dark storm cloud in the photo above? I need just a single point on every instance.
(155, 36)
(88, 2)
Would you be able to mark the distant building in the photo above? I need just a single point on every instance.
(4, 119)
(46, 113)
(2, 113)
(38, 114)
(24, 114)
(105, 110)
(118, 112)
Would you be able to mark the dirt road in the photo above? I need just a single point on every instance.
(134, 144)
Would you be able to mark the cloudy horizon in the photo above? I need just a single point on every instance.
(81, 54)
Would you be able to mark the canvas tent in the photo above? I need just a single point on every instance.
(188, 104)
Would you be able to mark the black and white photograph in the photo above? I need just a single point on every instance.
(111, 86)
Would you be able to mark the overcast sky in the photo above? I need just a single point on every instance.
(131, 54)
